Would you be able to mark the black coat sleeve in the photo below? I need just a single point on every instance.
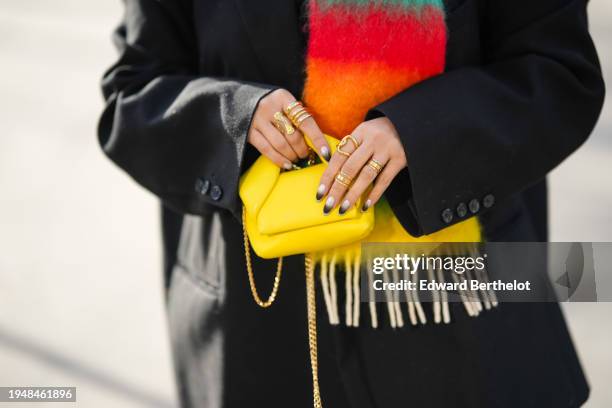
(180, 135)
(494, 129)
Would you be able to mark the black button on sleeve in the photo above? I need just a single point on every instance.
(447, 216)
(462, 210)
(474, 206)
(202, 186)
(216, 193)
(488, 201)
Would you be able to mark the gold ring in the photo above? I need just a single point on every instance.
(292, 114)
(301, 119)
(342, 152)
(296, 113)
(376, 165)
(348, 138)
(292, 105)
(344, 179)
(343, 142)
(282, 124)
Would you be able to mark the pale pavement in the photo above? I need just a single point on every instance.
(80, 281)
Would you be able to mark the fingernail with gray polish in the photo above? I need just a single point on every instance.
(366, 205)
(287, 166)
(325, 153)
(345, 206)
(329, 204)
(320, 191)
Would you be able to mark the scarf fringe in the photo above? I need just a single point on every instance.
(474, 302)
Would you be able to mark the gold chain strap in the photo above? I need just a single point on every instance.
(310, 305)
(249, 266)
(312, 328)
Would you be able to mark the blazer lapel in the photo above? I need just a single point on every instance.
(275, 33)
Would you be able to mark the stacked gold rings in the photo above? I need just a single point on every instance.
(376, 165)
(297, 113)
(344, 179)
(282, 124)
(344, 142)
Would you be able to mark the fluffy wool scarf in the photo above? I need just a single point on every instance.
(361, 53)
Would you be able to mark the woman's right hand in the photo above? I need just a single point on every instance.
(269, 141)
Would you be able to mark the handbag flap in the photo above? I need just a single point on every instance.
(291, 205)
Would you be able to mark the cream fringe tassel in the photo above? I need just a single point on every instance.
(474, 302)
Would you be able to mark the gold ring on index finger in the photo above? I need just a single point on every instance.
(344, 142)
(292, 105)
(342, 152)
(282, 124)
(298, 121)
(350, 138)
(297, 113)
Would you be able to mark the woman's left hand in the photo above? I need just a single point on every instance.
(378, 140)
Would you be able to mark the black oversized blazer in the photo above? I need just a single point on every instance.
(522, 90)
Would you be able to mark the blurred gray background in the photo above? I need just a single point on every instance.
(81, 300)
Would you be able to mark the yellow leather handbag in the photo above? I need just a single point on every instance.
(282, 216)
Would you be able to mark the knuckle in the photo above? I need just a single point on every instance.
(373, 139)
(333, 170)
(264, 104)
(335, 162)
(350, 168)
(369, 146)
(365, 130)
(283, 95)
(372, 135)
(361, 129)
(377, 130)
(367, 142)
